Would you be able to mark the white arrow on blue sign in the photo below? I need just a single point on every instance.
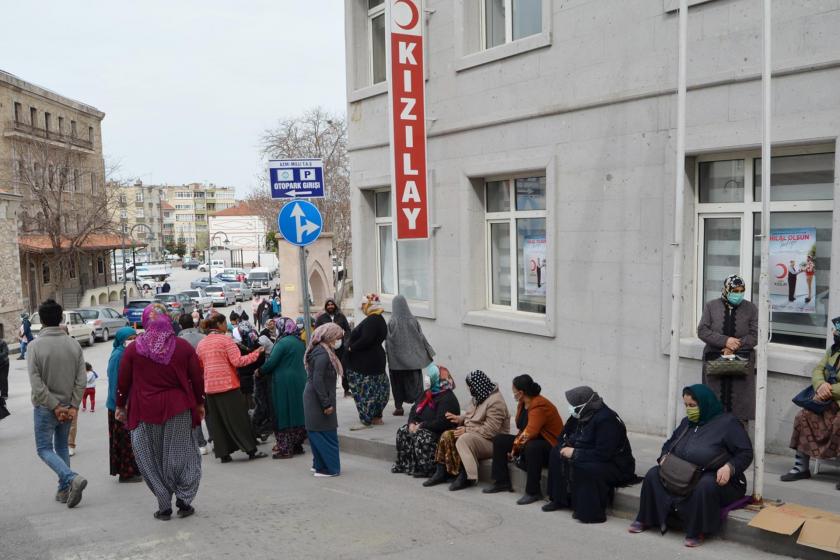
(296, 178)
(300, 222)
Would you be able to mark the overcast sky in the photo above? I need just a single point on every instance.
(187, 86)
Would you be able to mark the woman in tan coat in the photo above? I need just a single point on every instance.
(459, 450)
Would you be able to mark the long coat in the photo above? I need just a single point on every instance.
(365, 353)
(319, 393)
(288, 380)
(488, 419)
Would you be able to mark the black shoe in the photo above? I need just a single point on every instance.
(226, 459)
(799, 475)
(184, 510)
(461, 482)
(397, 470)
(299, 450)
(551, 506)
(529, 499)
(838, 486)
(256, 455)
(164, 515)
(439, 477)
(498, 487)
(807, 300)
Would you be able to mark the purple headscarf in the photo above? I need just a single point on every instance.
(158, 341)
(286, 326)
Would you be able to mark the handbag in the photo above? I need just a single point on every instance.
(739, 364)
(678, 476)
(807, 397)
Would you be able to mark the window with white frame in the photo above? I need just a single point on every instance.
(504, 21)
(515, 217)
(728, 209)
(138, 196)
(403, 267)
(376, 40)
(140, 213)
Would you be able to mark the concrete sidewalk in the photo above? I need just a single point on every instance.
(819, 492)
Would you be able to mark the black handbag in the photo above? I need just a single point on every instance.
(807, 397)
(678, 476)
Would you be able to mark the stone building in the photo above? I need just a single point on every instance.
(143, 204)
(551, 140)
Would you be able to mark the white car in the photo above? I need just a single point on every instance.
(73, 323)
(221, 294)
(200, 299)
(214, 264)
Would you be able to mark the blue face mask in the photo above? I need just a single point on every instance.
(735, 298)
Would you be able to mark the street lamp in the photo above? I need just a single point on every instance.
(151, 237)
(210, 254)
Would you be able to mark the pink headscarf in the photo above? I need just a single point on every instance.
(324, 336)
(158, 341)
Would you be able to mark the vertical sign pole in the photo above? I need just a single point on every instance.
(304, 293)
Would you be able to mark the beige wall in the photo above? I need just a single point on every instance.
(11, 298)
(319, 269)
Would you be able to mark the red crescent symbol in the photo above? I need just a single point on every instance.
(415, 15)
(784, 271)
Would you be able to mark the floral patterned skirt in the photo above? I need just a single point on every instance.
(447, 454)
(371, 393)
(120, 451)
(817, 435)
(290, 441)
(415, 451)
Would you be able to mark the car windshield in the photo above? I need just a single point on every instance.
(166, 297)
(214, 289)
(140, 304)
(258, 276)
(191, 293)
(89, 314)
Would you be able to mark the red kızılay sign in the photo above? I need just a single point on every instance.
(407, 118)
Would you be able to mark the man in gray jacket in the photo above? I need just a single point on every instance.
(57, 375)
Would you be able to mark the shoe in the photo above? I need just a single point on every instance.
(184, 510)
(226, 459)
(84, 410)
(398, 412)
(529, 499)
(72, 451)
(360, 426)
(61, 496)
(281, 456)
(807, 300)
(496, 487)
(299, 450)
(77, 486)
(439, 477)
(637, 527)
(693, 542)
(551, 506)
(798, 475)
(164, 515)
(202, 450)
(136, 478)
(312, 469)
(420, 474)
(461, 481)
(325, 475)
(377, 422)
(397, 470)
(256, 455)
(347, 394)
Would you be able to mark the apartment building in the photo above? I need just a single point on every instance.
(192, 204)
(140, 211)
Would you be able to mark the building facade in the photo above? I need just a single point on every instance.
(140, 210)
(243, 229)
(192, 204)
(551, 156)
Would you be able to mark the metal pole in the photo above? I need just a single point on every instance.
(764, 281)
(679, 202)
(304, 292)
(122, 258)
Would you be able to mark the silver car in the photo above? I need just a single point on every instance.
(104, 320)
(221, 294)
(242, 290)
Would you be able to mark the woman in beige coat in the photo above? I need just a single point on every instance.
(459, 451)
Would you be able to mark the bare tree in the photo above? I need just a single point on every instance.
(66, 197)
(314, 134)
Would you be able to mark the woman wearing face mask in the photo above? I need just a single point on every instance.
(592, 458)
(818, 435)
(715, 442)
(123, 463)
(539, 424)
(729, 325)
(427, 420)
(284, 368)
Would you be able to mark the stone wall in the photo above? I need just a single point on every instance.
(11, 297)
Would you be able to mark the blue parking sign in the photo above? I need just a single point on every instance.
(296, 178)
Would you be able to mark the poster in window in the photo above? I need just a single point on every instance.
(793, 257)
(535, 266)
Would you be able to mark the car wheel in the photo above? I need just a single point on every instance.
(91, 339)
(106, 335)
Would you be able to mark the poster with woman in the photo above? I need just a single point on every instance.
(793, 254)
(535, 266)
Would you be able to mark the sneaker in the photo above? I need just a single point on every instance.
(795, 475)
(312, 469)
(360, 426)
(324, 475)
(77, 486)
(61, 496)
(202, 450)
(72, 451)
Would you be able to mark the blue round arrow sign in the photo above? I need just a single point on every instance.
(300, 222)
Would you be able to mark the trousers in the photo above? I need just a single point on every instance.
(535, 454)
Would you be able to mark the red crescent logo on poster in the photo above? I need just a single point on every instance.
(784, 271)
(415, 14)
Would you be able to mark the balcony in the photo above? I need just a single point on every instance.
(18, 128)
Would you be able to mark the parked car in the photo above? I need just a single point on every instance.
(200, 298)
(221, 294)
(259, 279)
(104, 320)
(215, 263)
(242, 291)
(203, 282)
(191, 264)
(227, 277)
(73, 324)
(134, 311)
(239, 274)
(178, 302)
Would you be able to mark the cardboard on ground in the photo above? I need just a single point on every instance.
(820, 529)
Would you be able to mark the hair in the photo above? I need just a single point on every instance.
(88, 367)
(186, 321)
(50, 313)
(527, 385)
(234, 316)
(215, 320)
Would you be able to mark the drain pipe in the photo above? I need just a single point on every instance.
(679, 209)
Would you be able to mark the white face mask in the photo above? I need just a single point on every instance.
(427, 382)
(337, 344)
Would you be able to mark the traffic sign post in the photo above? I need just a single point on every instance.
(296, 178)
(300, 224)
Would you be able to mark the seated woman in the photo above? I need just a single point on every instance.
(539, 424)
(592, 457)
(459, 450)
(417, 440)
(718, 444)
(818, 435)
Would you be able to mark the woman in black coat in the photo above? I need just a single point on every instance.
(717, 443)
(366, 364)
(417, 440)
(592, 458)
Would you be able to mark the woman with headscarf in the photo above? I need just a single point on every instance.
(322, 369)
(332, 314)
(227, 407)
(240, 312)
(729, 325)
(366, 364)
(714, 441)
(408, 352)
(427, 420)
(592, 457)
(161, 384)
(459, 451)
(287, 374)
(123, 463)
(248, 341)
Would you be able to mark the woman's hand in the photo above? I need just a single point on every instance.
(413, 427)
(460, 431)
(733, 344)
(328, 411)
(567, 452)
(120, 415)
(724, 474)
(824, 392)
(454, 418)
(200, 409)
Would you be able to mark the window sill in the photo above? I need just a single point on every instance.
(510, 321)
(367, 92)
(418, 308)
(782, 358)
(674, 5)
(507, 50)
